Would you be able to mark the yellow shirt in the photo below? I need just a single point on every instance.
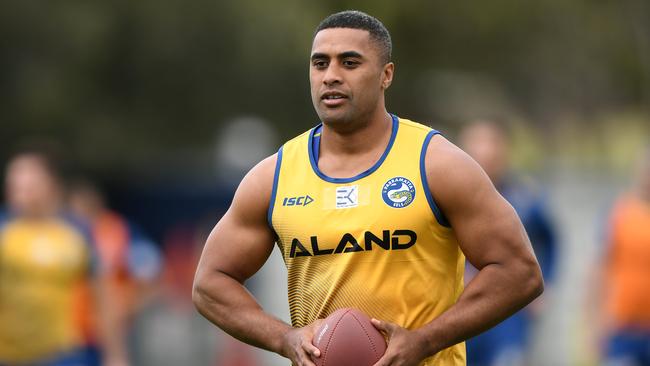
(42, 266)
(376, 242)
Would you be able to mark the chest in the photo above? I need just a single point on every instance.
(379, 218)
(44, 253)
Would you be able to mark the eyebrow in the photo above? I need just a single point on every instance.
(346, 54)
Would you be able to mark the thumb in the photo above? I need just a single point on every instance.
(383, 361)
(383, 326)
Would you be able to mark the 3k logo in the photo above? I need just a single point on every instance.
(347, 196)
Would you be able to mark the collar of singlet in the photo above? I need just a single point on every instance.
(314, 154)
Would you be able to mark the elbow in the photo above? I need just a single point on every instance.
(534, 281)
(199, 293)
(208, 295)
(539, 285)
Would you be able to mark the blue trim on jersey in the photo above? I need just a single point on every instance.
(315, 145)
(274, 190)
(440, 217)
(4, 217)
(82, 227)
(313, 157)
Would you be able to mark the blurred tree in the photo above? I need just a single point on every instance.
(126, 84)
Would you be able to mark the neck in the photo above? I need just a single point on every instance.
(39, 213)
(359, 136)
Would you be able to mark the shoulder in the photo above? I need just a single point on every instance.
(448, 163)
(302, 136)
(77, 226)
(416, 126)
(261, 175)
(455, 180)
(253, 195)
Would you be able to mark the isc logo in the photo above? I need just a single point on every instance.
(297, 201)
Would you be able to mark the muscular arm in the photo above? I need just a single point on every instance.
(493, 239)
(236, 249)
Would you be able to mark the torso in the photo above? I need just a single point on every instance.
(629, 263)
(42, 268)
(371, 241)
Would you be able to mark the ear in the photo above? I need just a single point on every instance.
(387, 75)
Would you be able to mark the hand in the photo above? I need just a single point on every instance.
(405, 347)
(115, 361)
(298, 347)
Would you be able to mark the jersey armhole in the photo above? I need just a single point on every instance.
(274, 190)
(4, 217)
(440, 217)
(84, 229)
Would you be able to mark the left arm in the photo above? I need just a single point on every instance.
(492, 238)
(111, 326)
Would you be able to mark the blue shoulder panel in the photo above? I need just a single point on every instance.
(84, 229)
(4, 216)
(440, 217)
(274, 190)
(81, 226)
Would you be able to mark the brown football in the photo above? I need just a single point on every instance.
(347, 338)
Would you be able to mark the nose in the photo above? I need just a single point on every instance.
(332, 76)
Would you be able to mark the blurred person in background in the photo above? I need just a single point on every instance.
(508, 343)
(45, 270)
(625, 275)
(129, 262)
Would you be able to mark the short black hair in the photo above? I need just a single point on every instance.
(359, 20)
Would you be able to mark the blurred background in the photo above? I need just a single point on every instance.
(164, 105)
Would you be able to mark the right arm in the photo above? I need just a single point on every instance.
(237, 247)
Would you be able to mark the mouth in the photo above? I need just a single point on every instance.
(333, 98)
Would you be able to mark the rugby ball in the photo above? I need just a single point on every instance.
(348, 338)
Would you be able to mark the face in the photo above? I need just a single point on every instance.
(85, 203)
(30, 188)
(347, 76)
(487, 145)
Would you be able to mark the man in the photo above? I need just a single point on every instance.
(129, 261)
(507, 343)
(44, 272)
(625, 275)
(370, 211)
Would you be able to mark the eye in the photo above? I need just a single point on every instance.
(350, 64)
(320, 64)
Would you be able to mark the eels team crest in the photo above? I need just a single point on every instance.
(398, 192)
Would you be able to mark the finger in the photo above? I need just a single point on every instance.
(383, 361)
(310, 349)
(306, 361)
(383, 326)
(302, 358)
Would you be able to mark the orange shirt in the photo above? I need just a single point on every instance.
(110, 233)
(627, 266)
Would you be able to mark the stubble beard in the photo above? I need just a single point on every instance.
(346, 118)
